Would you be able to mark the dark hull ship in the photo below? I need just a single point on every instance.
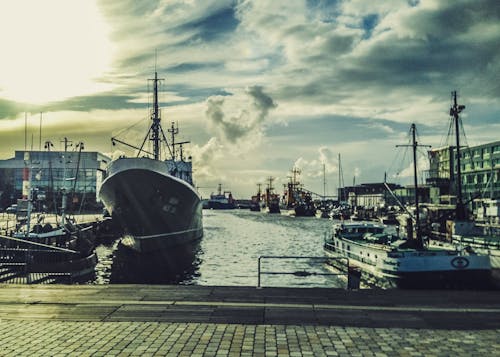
(221, 200)
(157, 207)
(298, 200)
(156, 210)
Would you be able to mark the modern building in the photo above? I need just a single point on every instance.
(480, 171)
(49, 174)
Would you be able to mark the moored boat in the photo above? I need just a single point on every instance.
(389, 262)
(154, 200)
(411, 263)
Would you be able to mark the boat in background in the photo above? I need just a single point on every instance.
(256, 201)
(298, 201)
(388, 261)
(221, 200)
(271, 199)
(155, 202)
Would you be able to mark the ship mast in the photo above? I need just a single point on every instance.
(454, 111)
(418, 234)
(155, 127)
(415, 182)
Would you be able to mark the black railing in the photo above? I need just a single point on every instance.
(23, 259)
(304, 273)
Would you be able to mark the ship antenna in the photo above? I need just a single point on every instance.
(174, 131)
(454, 111)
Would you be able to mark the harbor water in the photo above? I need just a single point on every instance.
(233, 241)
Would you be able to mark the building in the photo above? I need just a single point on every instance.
(480, 172)
(79, 173)
(369, 195)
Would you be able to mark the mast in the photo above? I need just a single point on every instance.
(341, 182)
(155, 127)
(415, 182)
(324, 182)
(174, 131)
(418, 239)
(454, 111)
(64, 192)
(40, 139)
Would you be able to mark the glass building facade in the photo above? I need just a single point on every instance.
(79, 173)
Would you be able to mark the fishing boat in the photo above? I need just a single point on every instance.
(388, 261)
(298, 201)
(255, 202)
(221, 200)
(154, 200)
(60, 251)
(305, 206)
(271, 199)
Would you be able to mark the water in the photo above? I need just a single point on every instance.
(234, 240)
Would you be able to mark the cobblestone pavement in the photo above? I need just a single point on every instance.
(60, 338)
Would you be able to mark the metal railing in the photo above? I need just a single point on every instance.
(302, 273)
(21, 259)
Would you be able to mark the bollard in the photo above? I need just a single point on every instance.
(353, 278)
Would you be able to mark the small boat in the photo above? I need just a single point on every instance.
(221, 200)
(299, 202)
(390, 262)
(271, 199)
(305, 206)
(61, 252)
(256, 200)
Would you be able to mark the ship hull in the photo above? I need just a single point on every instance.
(158, 213)
(388, 267)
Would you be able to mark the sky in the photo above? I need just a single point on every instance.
(257, 87)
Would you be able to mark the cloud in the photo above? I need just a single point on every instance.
(240, 117)
(349, 76)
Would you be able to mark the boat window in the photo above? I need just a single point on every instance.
(348, 247)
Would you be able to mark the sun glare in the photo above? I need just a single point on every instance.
(52, 49)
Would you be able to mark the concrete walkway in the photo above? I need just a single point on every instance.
(140, 320)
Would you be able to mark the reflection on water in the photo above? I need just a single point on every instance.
(229, 251)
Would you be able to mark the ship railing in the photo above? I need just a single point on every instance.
(352, 275)
(22, 261)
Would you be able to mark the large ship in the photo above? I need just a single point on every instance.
(154, 200)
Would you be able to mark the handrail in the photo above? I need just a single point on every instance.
(296, 273)
(28, 242)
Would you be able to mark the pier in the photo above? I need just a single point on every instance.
(132, 320)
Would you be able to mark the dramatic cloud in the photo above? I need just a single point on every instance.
(349, 76)
(241, 117)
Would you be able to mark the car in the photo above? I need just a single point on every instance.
(12, 208)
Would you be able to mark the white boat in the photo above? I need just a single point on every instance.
(410, 263)
(389, 262)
